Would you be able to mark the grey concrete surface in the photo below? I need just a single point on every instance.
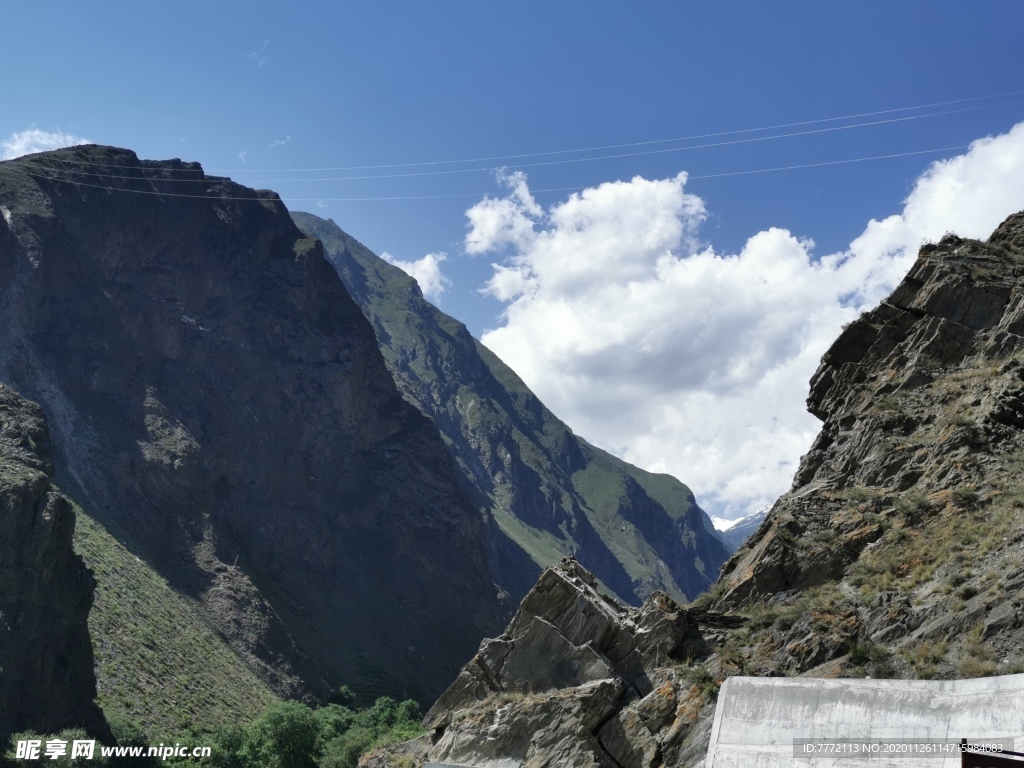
(757, 719)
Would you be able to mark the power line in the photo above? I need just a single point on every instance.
(556, 162)
(484, 194)
(584, 149)
(629, 144)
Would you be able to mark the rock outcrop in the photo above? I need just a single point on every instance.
(217, 399)
(46, 664)
(919, 399)
(545, 492)
(577, 679)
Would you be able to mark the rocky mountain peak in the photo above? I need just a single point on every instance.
(217, 399)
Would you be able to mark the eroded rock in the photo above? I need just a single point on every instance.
(577, 679)
(46, 664)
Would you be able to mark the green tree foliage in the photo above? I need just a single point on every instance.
(291, 735)
(287, 735)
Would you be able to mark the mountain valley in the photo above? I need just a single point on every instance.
(545, 492)
(898, 552)
(244, 461)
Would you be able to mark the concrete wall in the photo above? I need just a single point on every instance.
(758, 718)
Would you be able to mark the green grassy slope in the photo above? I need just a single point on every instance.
(158, 662)
(545, 492)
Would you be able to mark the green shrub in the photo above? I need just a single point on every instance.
(701, 677)
(288, 735)
(292, 735)
(965, 497)
(888, 403)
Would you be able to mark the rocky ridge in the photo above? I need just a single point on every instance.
(901, 540)
(218, 401)
(544, 492)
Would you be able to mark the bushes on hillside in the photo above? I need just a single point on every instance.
(291, 735)
(287, 735)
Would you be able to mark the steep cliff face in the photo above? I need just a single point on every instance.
(46, 664)
(546, 492)
(918, 458)
(216, 397)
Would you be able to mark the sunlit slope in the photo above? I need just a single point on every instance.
(545, 492)
(158, 660)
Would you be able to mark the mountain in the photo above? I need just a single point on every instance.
(735, 532)
(545, 492)
(896, 554)
(221, 413)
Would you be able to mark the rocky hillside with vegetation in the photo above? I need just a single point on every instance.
(899, 551)
(903, 527)
(220, 410)
(544, 492)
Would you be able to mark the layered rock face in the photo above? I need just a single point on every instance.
(920, 400)
(898, 552)
(545, 492)
(218, 399)
(46, 664)
(576, 679)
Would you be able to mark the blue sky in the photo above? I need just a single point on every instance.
(258, 90)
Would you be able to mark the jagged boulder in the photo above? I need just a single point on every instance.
(576, 679)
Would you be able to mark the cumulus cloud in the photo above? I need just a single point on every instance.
(686, 360)
(280, 142)
(426, 271)
(35, 140)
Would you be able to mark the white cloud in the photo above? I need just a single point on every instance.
(280, 142)
(693, 362)
(34, 140)
(426, 271)
(259, 58)
(241, 156)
